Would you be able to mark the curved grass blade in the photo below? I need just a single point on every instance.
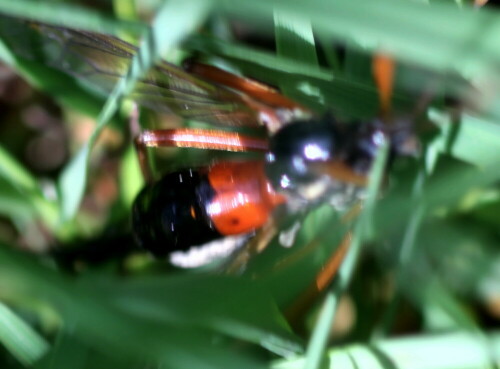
(20, 339)
(425, 35)
(411, 31)
(68, 15)
(110, 330)
(318, 342)
(294, 40)
(186, 16)
(261, 324)
(25, 191)
(448, 350)
(263, 58)
(475, 140)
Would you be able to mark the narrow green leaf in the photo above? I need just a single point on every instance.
(131, 179)
(15, 173)
(25, 344)
(24, 198)
(72, 183)
(476, 141)
(294, 38)
(110, 330)
(444, 311)
(317, 344)
(255, 56)
(67, 15)
(183, 16)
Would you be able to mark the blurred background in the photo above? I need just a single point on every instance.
(421, 279)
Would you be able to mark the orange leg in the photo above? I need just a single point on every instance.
(383, 73)
(193, 138)
(250, 87)
(325, 276)
(323, 280)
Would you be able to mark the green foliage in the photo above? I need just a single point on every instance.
(428, 230)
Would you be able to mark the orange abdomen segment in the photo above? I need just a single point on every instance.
(244, 198)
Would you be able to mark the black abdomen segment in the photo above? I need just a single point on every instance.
(170, 214)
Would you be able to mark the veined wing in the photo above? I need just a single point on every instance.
(101, 60)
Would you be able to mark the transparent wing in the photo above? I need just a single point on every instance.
(101, 60)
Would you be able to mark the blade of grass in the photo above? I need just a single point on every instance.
(472, 139)
(68, 15)
(28, 190)
(407, 30)
(19, 338)
(15, 173)
(436, 351)
(405, 255)
(318, 342)
(294, 40)
(181, 17)
(261, 324)
(130, 177)
(109, 330)
(266, 59)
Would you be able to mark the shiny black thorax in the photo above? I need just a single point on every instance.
(295, 149)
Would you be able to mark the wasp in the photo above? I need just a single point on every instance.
(306, 159)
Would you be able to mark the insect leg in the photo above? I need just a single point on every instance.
(254, 246)
(321, 283)
(326, 275)
(194, 138)
(250, 87)
(383, 72)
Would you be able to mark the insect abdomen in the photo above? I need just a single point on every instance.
(192, 207)
(244, 198)
(170, 214)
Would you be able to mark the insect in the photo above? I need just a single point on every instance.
(307, 159)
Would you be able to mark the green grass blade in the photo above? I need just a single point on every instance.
(131, 179)
(107, 329)
(407, 30)
(450, 350)
(15, 173)
(23, 195)
(68, 15)
(254, 56)
(184, 17)
(475, 140)
(294, 40)
(19, 338)
(317, 343)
